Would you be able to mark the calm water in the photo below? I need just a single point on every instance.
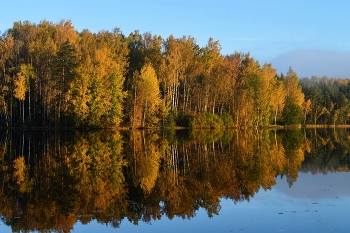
(237, 181)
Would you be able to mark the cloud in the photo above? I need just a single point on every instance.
(314, 62)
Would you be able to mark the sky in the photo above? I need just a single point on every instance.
(310, 36)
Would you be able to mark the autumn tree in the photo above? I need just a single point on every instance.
(293, 89)
(100, 98)
(292, 112)
(117, 96)
(19, 170)
(80, 93)
(147, 102)
(278, 100)
(22, 86)
(249, 82)
(233, 63)
(170, 72)
(306, 109)
(210, 80)
(153, 49)
(86, 79)
(44, 88)
(6, 59)
(266, 94)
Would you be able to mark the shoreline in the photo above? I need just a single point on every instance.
(309, 126)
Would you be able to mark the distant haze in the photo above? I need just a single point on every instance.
(314, 62)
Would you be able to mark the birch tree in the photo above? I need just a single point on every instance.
(147, 100)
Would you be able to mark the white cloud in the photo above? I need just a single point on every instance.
(317, 62)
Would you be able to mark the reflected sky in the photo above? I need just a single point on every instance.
(331, 185)
(315, 203)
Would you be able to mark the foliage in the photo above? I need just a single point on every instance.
(292, 113)
(328, 100)
(55, 76)
(183, 119)
(206, 120)
(169, 121)
(53, 179)
(226, 119)
(147, 102)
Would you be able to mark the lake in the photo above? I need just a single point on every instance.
(175, 181)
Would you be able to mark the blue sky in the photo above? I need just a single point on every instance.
(310, 36)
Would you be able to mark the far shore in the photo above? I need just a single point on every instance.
(126, 128)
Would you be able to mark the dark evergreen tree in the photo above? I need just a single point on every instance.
(64, 68)
(292, 113)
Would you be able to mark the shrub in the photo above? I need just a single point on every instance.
(183, 119)
(206, 120)
(226, 119)
(169, 121)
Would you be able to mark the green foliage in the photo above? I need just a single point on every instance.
(64, 65)
(183, 119)
(214, 135)
(292, 113)
(169, 121)
(100, 102)
(117, 97)
(226, 119)
(206, 120)
(329, 100)
(292, 140)
(80, 94)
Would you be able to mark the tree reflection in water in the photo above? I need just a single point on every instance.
(53, 179)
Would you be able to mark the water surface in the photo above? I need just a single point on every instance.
(235, 181)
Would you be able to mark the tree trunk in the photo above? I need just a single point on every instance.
(23, 113)
(144, 115)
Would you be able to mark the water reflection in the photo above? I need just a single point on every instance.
(53, 179)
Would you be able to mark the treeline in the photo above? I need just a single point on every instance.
(54, 76)
(327, 100)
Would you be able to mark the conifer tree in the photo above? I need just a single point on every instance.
(64, 71)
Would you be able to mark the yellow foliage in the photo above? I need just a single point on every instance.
(20, 86)
(21, 81)
(293, 90)
(147, 98)
(149, 169)
(20, 169)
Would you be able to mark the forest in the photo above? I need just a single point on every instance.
(54, 76)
